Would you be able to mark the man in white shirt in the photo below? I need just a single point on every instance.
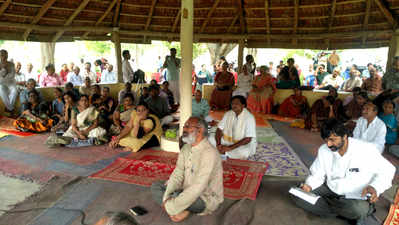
(29, 73)
(74, 77)
(333, 79)
(172, 64)
(127, 70)
(19, 76)
(88, 73)
(108, 76)
(370, 128)
(236, 133)
(344, 173)
(8, 86)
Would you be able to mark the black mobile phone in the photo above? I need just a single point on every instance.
(138, 211)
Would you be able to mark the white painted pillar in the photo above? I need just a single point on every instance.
(118, 54)
(186, 45)
(240, 55)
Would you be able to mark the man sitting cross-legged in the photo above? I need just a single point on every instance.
(344, 171)
(236, 133)
(370, 128)
(196, 184)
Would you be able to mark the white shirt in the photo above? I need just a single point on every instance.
(91, 75)
(249, 131)
(173, 70)
(75, 79)
(31, 75)
(360, 166)
(7, 75)
(127, 71)
(19, 77)
(108, 77)
(330, 80)
(374, 133)
(244, 82)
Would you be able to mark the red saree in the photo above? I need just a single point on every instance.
(293, 106)
(221, 95)
(260, 99)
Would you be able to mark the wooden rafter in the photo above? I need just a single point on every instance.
(210, 12)
(366, 20)
(332, 14)
(296, 16)
(233, 22)
(4, 7)
(177, 18)
(115, 20)
(147, 24)
(240, 10)
(102, 17)
(71, 18)
(39, 15)
(267, 17)
(386, 12)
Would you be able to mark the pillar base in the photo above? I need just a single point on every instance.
(170, 145)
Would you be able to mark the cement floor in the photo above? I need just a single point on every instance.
(273, 204)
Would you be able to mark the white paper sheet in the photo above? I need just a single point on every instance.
(307, 196)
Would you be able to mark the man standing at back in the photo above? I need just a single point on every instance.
(127, 70)
(196, 184)
(172, 64)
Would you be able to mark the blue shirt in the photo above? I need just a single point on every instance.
(200, 109)
(392, 125)
(76, 80)
(310, 80)
(58, 107)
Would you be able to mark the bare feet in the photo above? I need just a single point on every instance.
(180, 217)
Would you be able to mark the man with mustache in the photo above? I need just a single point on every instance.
(370, 128)
(345, 171)
(196, 184)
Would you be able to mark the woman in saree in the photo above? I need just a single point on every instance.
(142, 131)
(84, 124)
(34, 117)
(260, 99)
(65, 119)
(122, 114)
(322, 110)
(353, 110)
(295, 106)
(221, 95)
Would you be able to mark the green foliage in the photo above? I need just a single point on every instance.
(99, 48)
(1, 42)
(198, 48)
(309, 54)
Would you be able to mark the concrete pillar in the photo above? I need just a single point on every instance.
(240, 55)
(118, 54)
(186, 45)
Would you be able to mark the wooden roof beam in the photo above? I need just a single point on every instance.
(386, 12)
(332, 14)
(177, 18)
(210, 12)
(296, 16)
(366, 20)
(233, 22)
(39, 15)
(147, 24)
(267, 17)
(102, 17)
(115, 20)
(4, 6)
(71, 18)
(240, 10)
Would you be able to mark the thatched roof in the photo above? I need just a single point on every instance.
(260, 23)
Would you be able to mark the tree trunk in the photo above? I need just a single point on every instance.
(217, 50)
(47, 50)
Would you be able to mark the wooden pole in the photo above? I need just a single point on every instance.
(240, 55)
(393, 49)
(118, 54)
(186, 44)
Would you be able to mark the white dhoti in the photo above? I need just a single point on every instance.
(9, 94)
(242, 152)
(174, 87)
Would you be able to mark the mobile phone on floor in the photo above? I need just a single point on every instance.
(138, 211)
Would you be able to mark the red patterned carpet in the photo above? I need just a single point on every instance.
(241, 178)
(393, 215)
